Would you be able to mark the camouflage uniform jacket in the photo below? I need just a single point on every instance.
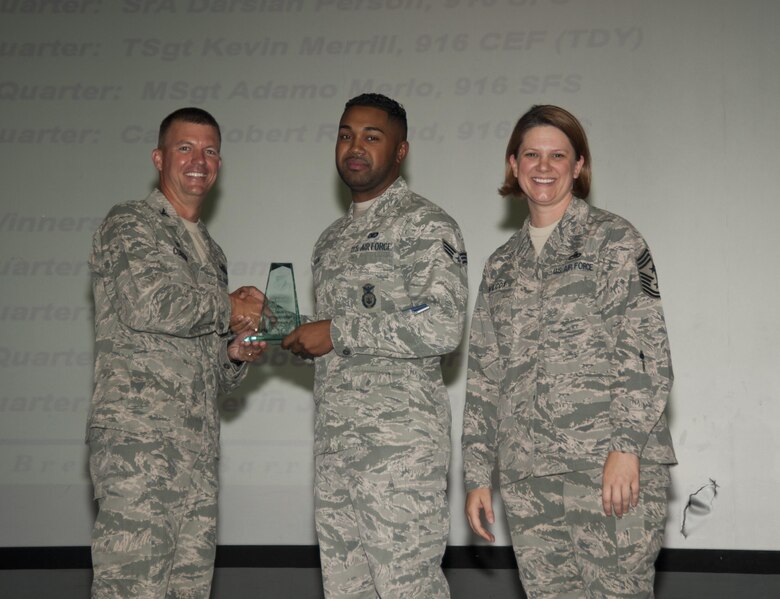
(382, 383)
(568, 355)
(161, 320)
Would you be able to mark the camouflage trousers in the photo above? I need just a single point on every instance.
(155, 532)
(567, 548)
(382, 523)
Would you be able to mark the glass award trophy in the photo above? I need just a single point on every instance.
(280, 314)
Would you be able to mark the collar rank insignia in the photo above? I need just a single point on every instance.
(178, 252)
(647, 275)
(457, 257)
(368, 299)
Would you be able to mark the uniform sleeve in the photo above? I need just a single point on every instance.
(150, 287)
(480, 421)
(231, 374)
(634, 315)
(433, 263)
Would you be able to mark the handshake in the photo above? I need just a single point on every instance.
(246, 308)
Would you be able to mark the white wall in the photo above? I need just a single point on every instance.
(680, 102)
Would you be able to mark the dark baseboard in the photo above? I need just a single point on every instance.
(457, 557)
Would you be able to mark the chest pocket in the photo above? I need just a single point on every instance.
(574, 320)
(205, 275)
(571, 286)
(374, 278)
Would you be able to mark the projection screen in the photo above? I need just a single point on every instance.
(679, 99)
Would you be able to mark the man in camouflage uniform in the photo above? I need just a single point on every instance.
(391, 288)
(569, 375)
(162, 318)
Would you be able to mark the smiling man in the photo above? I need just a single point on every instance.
(390, 286)
(162, 356)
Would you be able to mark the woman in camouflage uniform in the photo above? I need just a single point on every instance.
(569, 375)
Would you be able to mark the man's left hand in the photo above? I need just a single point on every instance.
(310, 340)
(246, 351)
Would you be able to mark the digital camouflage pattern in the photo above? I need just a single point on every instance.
(568, 355)
(566, 548)
(382, 421)
(382, 384)
(161, 325)
(382, 522)
(155, 533)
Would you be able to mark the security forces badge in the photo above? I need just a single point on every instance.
(647, 274)
(368, 299)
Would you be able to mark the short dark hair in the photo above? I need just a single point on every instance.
(552, 116)
(394, 110)
(190, 114)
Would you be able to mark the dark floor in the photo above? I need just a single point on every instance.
(303, 583)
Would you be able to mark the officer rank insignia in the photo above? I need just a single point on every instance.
(368, 299)
(457, 257)
(647, 275)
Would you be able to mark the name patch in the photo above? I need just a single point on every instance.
(562, 268)
(497, 286)
(372, 246)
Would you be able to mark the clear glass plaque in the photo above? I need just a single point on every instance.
(280, 314)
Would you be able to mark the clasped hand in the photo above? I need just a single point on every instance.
(246, 307)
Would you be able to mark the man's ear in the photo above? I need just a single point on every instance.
(157, 159)
(403, 150)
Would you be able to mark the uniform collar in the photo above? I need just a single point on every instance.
(565, 238)
(385, 201)
(167, 213)
(171, 219)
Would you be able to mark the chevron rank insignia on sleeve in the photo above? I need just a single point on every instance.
(457, 257)
(647, 274)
